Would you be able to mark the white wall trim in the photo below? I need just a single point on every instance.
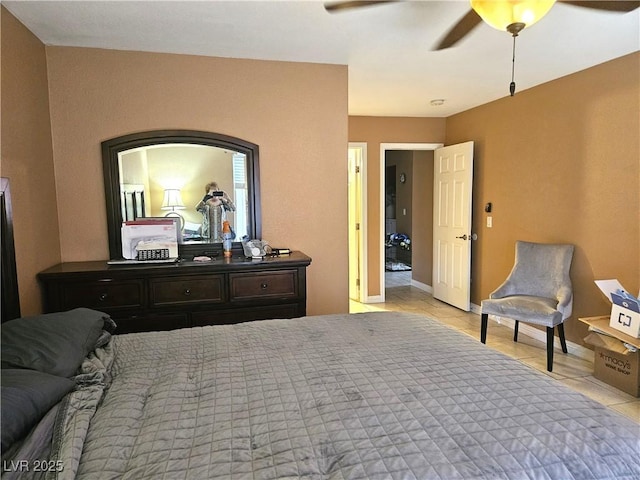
(374, 299)
(363, 244)
(422, 286)
(541, 335)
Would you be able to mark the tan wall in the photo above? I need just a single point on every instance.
(375, 131)
(296, 113)
(403, 161)
(27, 158)
(422, 218)
(560, 163)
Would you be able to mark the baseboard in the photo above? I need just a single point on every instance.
(374, 299)
(541, 335)
(422, 286)
(525, 329)
(476, 309)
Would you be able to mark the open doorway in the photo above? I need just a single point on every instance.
(407, 209)
(398, 213)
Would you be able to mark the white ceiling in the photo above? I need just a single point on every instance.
(392, 69)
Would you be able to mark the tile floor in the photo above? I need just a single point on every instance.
(572, 370)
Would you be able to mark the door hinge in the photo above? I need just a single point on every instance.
(357, 168)
(357, 226)
(357, 282)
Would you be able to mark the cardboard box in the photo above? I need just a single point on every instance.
(625, 319)
(625, 309)
(617, 355)
(618, 370)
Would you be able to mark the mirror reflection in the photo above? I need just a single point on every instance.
(200, 178)
(203, 185)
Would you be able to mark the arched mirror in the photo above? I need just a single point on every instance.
(198, 178)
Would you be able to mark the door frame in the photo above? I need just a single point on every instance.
(361, 237)
(381, 187)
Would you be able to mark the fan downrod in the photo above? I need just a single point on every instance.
(514, 29)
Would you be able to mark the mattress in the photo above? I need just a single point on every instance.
(366, 396)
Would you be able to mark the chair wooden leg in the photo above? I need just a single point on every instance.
(549, 349)
(484, 319)
(515, 331)
(563, 342)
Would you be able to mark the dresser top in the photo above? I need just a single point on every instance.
(217, 264)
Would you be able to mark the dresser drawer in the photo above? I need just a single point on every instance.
(247, 286)
(187, 290)
(102, 294)
(144, 297)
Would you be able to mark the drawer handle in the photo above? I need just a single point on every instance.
(264, 285)
(103, 297)
(187, 292)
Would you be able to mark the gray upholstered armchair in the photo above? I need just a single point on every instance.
(538, 291)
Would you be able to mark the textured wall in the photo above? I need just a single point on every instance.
(295, 112)
(27, 158)
(560, 163)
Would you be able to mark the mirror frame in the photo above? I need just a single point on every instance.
(111, 150)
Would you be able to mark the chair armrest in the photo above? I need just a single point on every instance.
(565, 296)
(504, 290)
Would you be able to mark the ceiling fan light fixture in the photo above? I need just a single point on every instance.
(500, 14)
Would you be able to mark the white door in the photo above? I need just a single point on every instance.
(452, 189)
(356, 221)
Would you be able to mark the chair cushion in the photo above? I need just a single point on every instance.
(525, 308)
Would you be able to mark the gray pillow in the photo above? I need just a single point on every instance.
(27, 395)
(54, 343)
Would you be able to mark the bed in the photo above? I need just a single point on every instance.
(364, 396)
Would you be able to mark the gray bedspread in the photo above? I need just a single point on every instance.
(366, 396)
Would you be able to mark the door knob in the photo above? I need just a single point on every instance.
(463, 237)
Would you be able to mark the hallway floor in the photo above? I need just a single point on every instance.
(574, 371)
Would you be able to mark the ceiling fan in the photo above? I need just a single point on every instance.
(506, 15)
(511, 16)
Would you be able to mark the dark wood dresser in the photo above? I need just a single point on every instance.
(169, 296)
